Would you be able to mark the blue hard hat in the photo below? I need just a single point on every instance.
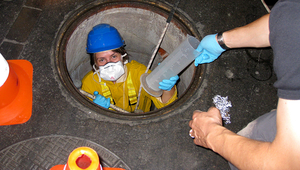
(103, 37)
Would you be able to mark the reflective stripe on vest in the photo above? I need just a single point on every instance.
(131, 91)
(106, 92)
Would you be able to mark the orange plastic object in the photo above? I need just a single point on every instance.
(58, 167)
(61, 167)
(16, 93)
(83, 158)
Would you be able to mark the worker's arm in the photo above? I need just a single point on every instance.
(168, 87)
(255, 34)
(244, 153)
(284, 151)
(167, 95)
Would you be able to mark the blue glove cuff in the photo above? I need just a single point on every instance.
(101, 100)
(210, 50)
(217, 50)
(107, 104)
(168, 84)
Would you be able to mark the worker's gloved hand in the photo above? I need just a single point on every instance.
(168, 84)
(101, 100)
(210, 49)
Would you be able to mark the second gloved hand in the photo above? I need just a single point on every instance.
(101, 100)
(168, 84)
(210, 49)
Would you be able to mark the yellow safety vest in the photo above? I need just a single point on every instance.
(134, 71)
(131, 91)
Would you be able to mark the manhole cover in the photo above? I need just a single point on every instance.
(45, 152)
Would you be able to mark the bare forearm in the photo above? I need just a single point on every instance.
(244, 153)
(255, 34)
(282, 153)
(166, 96)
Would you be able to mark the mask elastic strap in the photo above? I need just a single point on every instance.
(122, 56)
(97, 71)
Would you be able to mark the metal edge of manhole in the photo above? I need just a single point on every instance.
(89, 9)
(47, 151)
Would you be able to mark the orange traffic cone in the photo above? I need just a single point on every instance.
(15, 91)
(83, 158)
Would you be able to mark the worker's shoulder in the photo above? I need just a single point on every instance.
(134, 65)
(88, 75)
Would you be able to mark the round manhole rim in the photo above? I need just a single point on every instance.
(92, 8)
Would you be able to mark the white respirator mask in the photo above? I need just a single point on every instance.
(112, 71)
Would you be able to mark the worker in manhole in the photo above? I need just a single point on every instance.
(116, 81)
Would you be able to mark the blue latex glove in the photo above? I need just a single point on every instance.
(210, 49)
(168, 84)
(101, 100)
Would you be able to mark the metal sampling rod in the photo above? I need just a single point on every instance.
(157, 46)
(111, 105)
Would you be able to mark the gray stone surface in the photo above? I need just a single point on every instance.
(162, 143)
(23, 25)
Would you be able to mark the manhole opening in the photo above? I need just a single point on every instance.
(140, 24)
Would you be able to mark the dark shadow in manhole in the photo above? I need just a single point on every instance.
(141, 25)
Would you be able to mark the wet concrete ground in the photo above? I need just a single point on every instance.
(28, 30)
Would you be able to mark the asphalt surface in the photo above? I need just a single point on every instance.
(28, 31)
